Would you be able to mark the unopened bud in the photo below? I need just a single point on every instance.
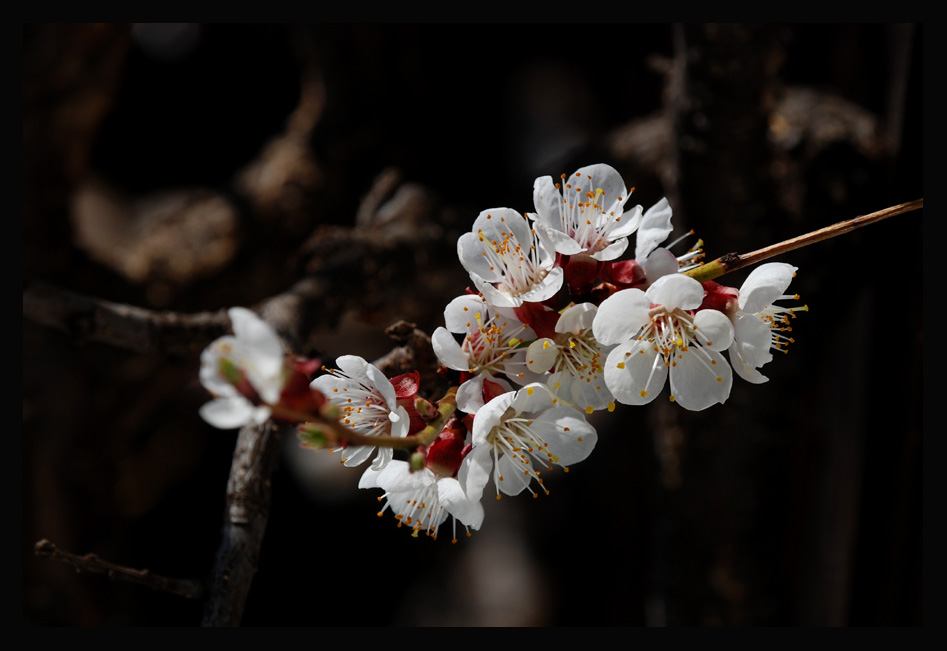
(425, 408)
(417, 461)
(312, 437)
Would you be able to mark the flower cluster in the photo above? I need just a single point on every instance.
(554, 327)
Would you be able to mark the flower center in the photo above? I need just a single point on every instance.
(362, 409)
(514, 438)
(579, 355)
(583, 218)
(491, 343)
(518, 263)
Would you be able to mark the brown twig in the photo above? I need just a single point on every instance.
(189, 588)
(733, 261)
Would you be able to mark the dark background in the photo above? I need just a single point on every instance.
(796, 503)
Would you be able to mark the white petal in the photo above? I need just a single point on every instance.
(327, 382)
(475, 471)
(497, 298)
(448, 351)
(397, 477)
(577, 318)
(228, 413)
(654, 229)
(459, 313)
(606, 178)
(260, 340)
(354, 367)
(635, 378)
(532, 398)
(612, 251)
(744, 370)
(356, 455)
(209, 373)
(764, 285)
(499, 224)
(489, 415)
(400, 422)
(676, 290)
(753, 338)
(382, 458)
(629, 222)
(469, 395)
(715, 328)
(660, 263)
(513, 474)
(470, 252)
(369, 478)
(546, 288)
(578, 392)
(698, 382)
(451, 494)
(620, 316)
(541, 355)
(382, 385)
(547, 199)
(567, 434)
(557, 240)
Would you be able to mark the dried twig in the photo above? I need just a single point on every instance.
(189, 588)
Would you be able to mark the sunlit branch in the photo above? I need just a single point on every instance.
(733, 261)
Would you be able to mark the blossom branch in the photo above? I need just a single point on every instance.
(336, 433)
(189, 588)
(733, 261)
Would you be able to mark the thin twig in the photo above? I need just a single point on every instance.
(190, 588)
(733, 261)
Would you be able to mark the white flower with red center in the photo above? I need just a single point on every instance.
(759, 325)
(367, 403)
(423, 498)
(507, 261)
(517, 428)
(492, 340)
(575, 359)
(658, 334)
(245, 372)
(585, 214)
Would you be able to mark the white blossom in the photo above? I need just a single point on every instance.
(245, 372)
(492, 342)
(507, 261)
(658, 334)
(575, 360)
(368, 405)
(517, 428)
(422, 500)
(759, 325)
(585, 213)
